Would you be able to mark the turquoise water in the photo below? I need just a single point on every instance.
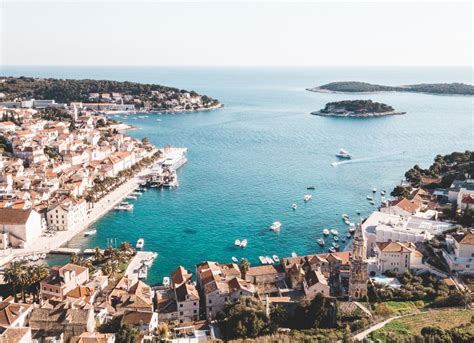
(249, 161)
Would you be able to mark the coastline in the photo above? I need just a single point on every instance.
(100, 208)
(357, 115)
(157, 111)
(328, 91)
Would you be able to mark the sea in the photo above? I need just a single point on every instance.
(249, 161)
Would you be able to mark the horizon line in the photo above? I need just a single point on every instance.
(238, 65)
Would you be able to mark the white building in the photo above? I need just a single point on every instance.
(67, 214)
(19, 227)
(397, 257)
(460, 256)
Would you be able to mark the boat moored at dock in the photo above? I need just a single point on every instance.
(326, 232)
(140, 243)
(90, 232)
(321, 242)
(262, 259)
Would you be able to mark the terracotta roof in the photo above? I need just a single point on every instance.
(314, 277)
(10, 216)
(397, 247)
(264, 270)
(464, 237)
(410, 206)
(180, 275)
(13, 335)
(92, 337)
(186, 289)
(136, 318)
(10, 312)
(468, 199)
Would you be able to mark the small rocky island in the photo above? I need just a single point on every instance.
(364, 87)
(357, 109)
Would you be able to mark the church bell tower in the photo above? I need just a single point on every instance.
(358, 277)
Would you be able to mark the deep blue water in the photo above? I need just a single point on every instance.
(249, 161)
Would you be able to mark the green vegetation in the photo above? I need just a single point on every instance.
(364, 87)
(437, 325)
(127, 334)
(25, 278)
(356, 107)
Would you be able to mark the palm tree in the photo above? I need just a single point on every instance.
(244, 266)
(74, 259)
(38, 273)
(11, 276)
(97, 255)
(24, 280)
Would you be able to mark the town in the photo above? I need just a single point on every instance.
(64, 166)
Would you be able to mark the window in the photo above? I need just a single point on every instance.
(195, 311)
(210, 301)
(194, 303)
(180, 305)
(181, 313)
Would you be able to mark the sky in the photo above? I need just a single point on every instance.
(236, 34)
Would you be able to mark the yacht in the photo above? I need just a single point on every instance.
(293, 254)
(334, 232)
(307, 197)
(124, 206)
(275, 226)
(131, 197)
(321, 242)
(332, 249)
(347, 222)
(345, 216)
(90, 232)
(243, 244)
(262, 259)
(294, 206)
(140, 243)
(326, 232)
(269, 259)
(372, 202)
(276, 258)
(237, 243)
(348, 235)
(382, 193)
(343, 154)
(166, 281)
(234, 259)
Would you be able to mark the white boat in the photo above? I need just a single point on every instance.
(326, 232)
(382, 193)
(343, 239)
(372, 202)
(374, 190)
(293, 254)
(332, 249)
(335, 245)
(369, 198)
(334, 232)
(269, 259)
(347, 222)
(43, 256)
(333, 164)
(348, 235)
(237, 243)
(131, 197)
(276, 226)
(345, 216)
(124, 206)
(235, 259)
(166, 281)
(90, 232)
(294, 206)
(321, 242)
(136, 193)
(262, 259)
(336, 239)
(307, 197)
(352, 229)
(243, 244)
(343, 154)
(276, 258)
(140, 243)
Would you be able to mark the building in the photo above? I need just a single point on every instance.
(16, 335)
(130, 294)
(314, 283)
(460, 253)
(403, 207)
(358, 276)
(397, 257)
(94, 337)
(186, 295)
(146, 322)
(268, 279)
(19, 227)
(67, 214)
(13, 315)
(63, 280)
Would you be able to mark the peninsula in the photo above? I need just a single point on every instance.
(100, 95)
(356, 108)
(364, 87)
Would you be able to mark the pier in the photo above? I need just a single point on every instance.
(138, 266)
(66, 251)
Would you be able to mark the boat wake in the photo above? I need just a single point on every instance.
(366, 159)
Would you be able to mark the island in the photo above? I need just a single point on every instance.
(364, 87)
(100, 95)
(357, 109)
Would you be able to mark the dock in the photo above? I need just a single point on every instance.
(66, 251)
(138, 266)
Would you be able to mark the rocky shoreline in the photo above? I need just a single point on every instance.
(357, 115)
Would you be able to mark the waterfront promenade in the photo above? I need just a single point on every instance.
(101, 207)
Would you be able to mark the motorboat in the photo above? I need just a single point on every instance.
(334, 164)
(348, 235)
(234, 259)
(136, 193)
(326, 232)
(369, 198)
(321, 242)
(352, 229)
(90, 232)
(269, 259)
(294, 206)
(166, 281)
(243, 243)
(332, 249)
(276, 226)
(262, 259)
(382, 193)
(293, 254)
(343, 239)
(374, 190)
(124, 206)
(336, 239)
(343, 154)
(345, 216)
(307, 197)
(334, 232)
(237, 243)
(276, 258)
(311, 188)
(372, 202)
(347, 222)
(131, 197)
(140, 243)
(335, 245)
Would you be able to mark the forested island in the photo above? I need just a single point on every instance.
(356, 108)
(364, 87)
(132, 94)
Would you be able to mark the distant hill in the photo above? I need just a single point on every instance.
(356, 108)
(364, 87)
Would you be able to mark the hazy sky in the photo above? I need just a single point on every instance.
(209, 33)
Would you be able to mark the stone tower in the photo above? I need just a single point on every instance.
(358, 275)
